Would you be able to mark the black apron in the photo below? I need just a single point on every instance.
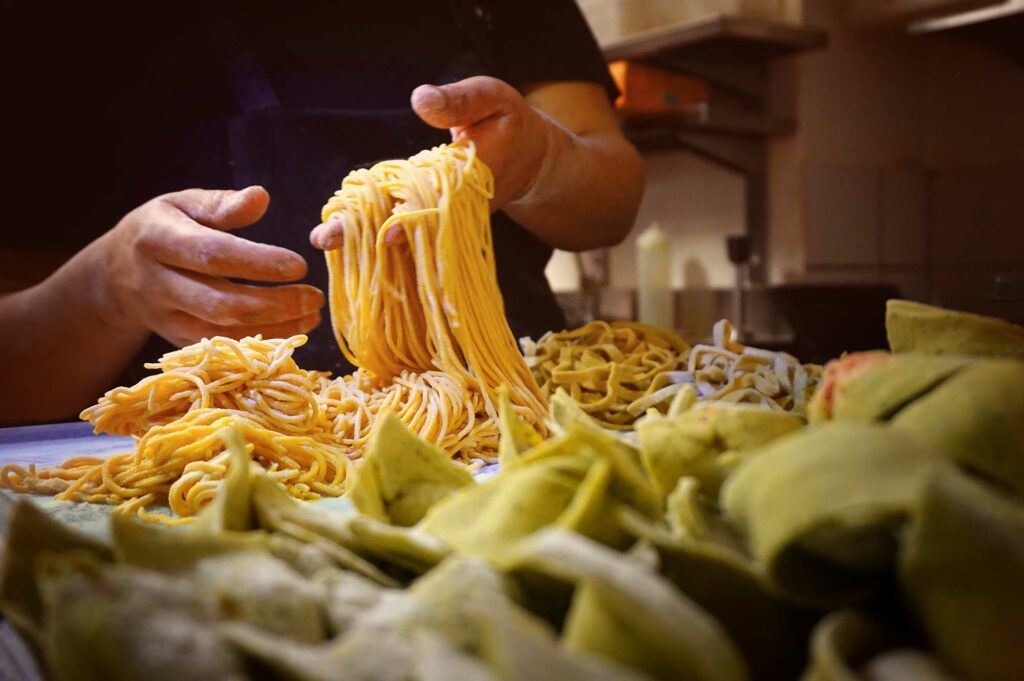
(301, 155)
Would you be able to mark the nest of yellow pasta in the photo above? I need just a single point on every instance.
(303, 427)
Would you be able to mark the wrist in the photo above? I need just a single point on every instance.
(97, 281)
(555, 146)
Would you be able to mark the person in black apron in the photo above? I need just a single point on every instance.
(292, 97)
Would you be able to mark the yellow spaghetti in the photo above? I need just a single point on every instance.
(424, 323)
(255, 376)
(429, 314)
(176, 416)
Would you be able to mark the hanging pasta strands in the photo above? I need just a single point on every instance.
(425, 314)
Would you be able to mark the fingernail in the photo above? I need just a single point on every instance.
(429, 98)
(395, 236)
(240, 195)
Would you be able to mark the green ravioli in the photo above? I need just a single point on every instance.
(403, 475)
(962, 569)
(576, 480)
(769, 628)
(517, 436)
(706, 441)
(623, 611)
(881, 391)
(842, 644)
(31, 533)
(823, 508)
(354, 542)
(116, 622)
(975, 418)
(914, 327)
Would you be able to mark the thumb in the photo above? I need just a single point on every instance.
(222, 208)
(463, 103)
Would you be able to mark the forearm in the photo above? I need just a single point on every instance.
(586, 193)
(63, 344)
(561, 166)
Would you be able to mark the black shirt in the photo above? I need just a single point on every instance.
(111, 104)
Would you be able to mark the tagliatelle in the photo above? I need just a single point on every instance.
(422, 319)
(729, 371)
(617, 371)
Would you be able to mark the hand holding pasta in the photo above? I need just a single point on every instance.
(511, 136)
(167, 263)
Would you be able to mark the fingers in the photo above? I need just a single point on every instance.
(395, 236)
(225, 304)
(464, 103)
(181, 328)
(221, 208)
(328, 235)
(168, 265)
(175, 240)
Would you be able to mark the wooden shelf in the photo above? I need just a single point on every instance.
(731, 55)
(718, 39)
(710, 118)
(728, 53)
(999, 31)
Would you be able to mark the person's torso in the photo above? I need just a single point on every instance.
(143, 103)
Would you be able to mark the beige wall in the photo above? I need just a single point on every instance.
(697, 203)
(907, 166)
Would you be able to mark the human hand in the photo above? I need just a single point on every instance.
(166, 264)
(511, 137)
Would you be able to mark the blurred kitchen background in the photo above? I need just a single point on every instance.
(840, 151)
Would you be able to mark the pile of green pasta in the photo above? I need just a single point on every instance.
(725, 542)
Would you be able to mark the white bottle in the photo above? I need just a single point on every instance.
(655, 304)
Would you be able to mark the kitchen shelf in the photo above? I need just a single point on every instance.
(712, 118)
(1000, 29)
(718, 39)
(731, 55)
